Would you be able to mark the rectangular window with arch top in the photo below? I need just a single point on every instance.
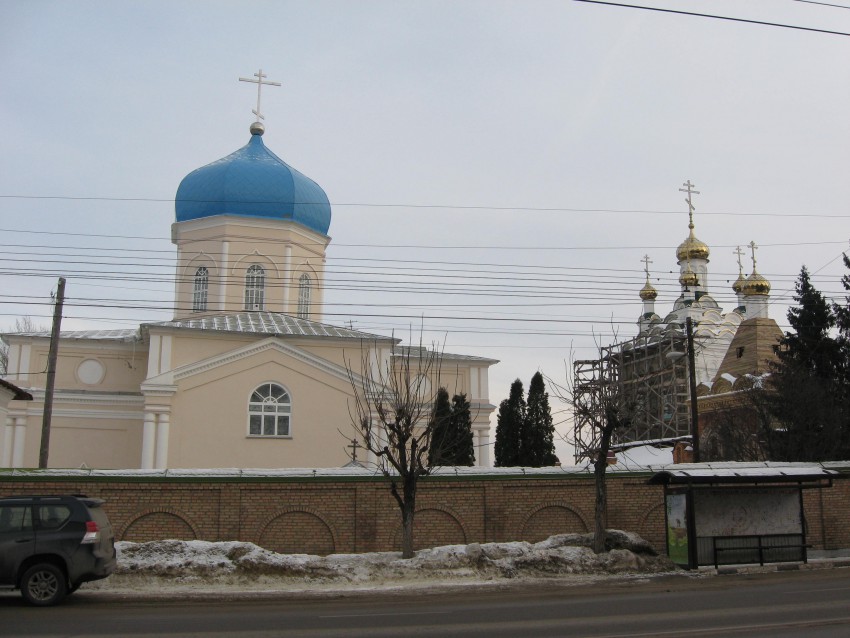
(255, 284)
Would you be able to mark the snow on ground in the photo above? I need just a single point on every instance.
(175, 566)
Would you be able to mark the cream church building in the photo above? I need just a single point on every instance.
(246, 374)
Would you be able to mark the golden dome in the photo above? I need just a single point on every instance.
(738, 286)
(692, 248)
(688, 278)
(756, 285)
(648, 292)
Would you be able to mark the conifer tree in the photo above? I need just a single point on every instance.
(463, 448)
(808, 391)
(441, 424)
(538, 444)
(509, 424)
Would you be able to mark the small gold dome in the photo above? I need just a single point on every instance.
(756, 285)
(648, 292)
(738, 286)
(692, 248)
(688, 278)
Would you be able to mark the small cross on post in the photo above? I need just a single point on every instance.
(355, 445)
(689, 189)
(259, 82)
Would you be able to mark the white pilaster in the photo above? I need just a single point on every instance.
(482, 450)
(8, 437)
(20, 440)
(162, 432)
(224, 268)
(148, 441)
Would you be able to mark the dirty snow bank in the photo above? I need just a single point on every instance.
(174, 565)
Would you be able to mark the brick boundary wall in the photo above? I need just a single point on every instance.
(350, 514)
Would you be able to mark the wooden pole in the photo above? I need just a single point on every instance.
(51, 374)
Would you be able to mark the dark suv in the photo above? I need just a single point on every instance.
(50, 545)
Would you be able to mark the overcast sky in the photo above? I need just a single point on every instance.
(521, 157)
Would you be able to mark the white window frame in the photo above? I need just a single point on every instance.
(200, 292)
(255, 287)
(305, 292)
(270, 412)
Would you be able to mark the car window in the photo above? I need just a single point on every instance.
(53, 516)
(15, 518)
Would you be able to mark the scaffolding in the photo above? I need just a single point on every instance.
(648, 376)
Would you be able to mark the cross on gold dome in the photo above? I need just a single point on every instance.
(689, 189)
(260, 81)
(739, 253)
(753, 249)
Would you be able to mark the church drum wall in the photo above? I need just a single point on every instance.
(355, 514)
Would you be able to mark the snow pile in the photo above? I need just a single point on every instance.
(195, 565)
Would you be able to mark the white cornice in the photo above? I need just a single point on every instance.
(86, 398)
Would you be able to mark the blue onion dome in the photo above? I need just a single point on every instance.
(253, 182)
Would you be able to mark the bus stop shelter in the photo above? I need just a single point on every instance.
(737, 513)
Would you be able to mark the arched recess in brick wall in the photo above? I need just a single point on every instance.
(433, 527)
(651, 527)
(297, 531)
(552, 518)
(157, 524)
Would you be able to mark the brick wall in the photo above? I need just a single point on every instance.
(358, 514)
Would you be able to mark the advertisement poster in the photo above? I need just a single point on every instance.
(677, 528)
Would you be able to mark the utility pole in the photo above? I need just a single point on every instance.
(692, 382)
(51, 374)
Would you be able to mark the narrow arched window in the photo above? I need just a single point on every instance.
(199, 295)
(305, 289)
(269, 411)
(255, 285)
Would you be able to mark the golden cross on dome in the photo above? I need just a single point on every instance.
(646, 261)
(739, 253)
(753, 249)
(259, 82)
(689, 189)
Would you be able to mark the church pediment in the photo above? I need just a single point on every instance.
(270, 345)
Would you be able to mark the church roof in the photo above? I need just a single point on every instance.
(253, 182)
(121, 334)
(268, 323)
(413, 352)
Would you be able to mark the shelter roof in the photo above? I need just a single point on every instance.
(726, 473)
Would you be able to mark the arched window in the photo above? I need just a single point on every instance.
(199, 296)
(269, 411)
(255, 284)
(305, 289)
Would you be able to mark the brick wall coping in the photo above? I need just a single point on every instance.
(353, 474)
(300, 475)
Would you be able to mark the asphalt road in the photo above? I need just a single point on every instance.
(779, 605)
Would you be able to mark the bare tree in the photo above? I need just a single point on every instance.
(392, 412)
(599, 399)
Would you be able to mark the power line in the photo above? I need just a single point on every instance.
(714, 17)
(823, 4)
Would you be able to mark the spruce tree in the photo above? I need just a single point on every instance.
(538, 444)
(509, 423)
(441, 430)
(807, 397)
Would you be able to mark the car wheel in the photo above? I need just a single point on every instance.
(43, 585)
